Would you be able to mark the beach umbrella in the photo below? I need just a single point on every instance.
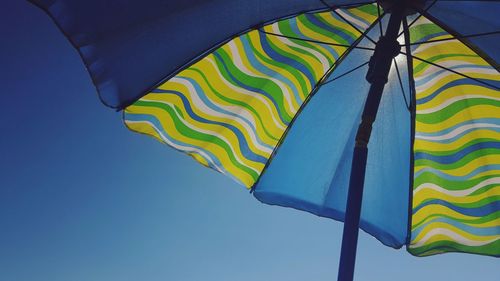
(286, 97)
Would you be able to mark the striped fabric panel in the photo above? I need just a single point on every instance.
(456, 192)
(230, 109)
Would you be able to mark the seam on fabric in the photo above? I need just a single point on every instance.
(468, 43)
(126, 103)
(306, 101)
(218, 45)
(411, 82)
(365, 226)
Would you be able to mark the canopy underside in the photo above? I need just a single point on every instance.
(234, 96)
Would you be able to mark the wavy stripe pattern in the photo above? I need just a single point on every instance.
(230, 109)
(456, 194)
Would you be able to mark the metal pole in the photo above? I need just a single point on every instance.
(380, 63)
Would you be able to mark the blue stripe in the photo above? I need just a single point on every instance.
(240, 84)
(316, 20)
(330, 52)
(153, 120)
(475, 230)
(458, 82)
(216, 108)
(473, 173)
(250, 54)
(471, 211)
(452, 158)
(243, 145)
(291, 62)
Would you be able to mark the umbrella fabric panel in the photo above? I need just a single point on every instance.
(230, 109)
(456, 195)
(311, 169)
(130, 46)
(472, 17)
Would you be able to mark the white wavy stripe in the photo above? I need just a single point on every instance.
(198, 102)
(323, 60)
(447, 102)
(420, 21)
(457, 131)
(250, 94)
(284, 88)
(453, 63)
(456, 193)
(208, 132)
(423, 47)
(434, 69)
(188, 149)
(453, 236)
(356, 22)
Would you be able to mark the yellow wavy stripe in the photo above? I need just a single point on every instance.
(176, 101)
(452, 91)
(254, 37)
(425, 194)
(433, 225)
(425, 212)
(169, 126)
(473, 112)
(292, 105)
(262, 104)
(230, 109)
(459, 103)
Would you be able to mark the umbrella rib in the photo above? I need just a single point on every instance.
(467, 43)
(333, 9)
(411, 82)
(315, 41)
(344, 74)
(313, 92)
(401, 84)
(457, 38)
(451, 70)
(418, 17)
(379, 22)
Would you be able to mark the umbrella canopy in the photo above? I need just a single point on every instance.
(255, 90)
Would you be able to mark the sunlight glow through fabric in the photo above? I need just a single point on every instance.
(230, 109)
(243, 87)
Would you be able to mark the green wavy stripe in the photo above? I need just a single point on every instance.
(479, 220)
(460, 163)
(469, 205)
(438, 247)
(454, 108)
(454, 151)
(190, 133)
(369, 9)
(446, 52)
(236, 103)
(293, 71)
(254, 82)
(429, 177)
(246, 131)
(286, 29)
(421, 66)
(293, 57)
(334, 36)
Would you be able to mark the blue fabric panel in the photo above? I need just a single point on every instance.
(311, 169)
(129, 46)
(472, 17)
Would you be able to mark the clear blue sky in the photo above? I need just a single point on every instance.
(82, 198)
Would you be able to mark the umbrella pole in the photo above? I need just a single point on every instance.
(380, 63)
